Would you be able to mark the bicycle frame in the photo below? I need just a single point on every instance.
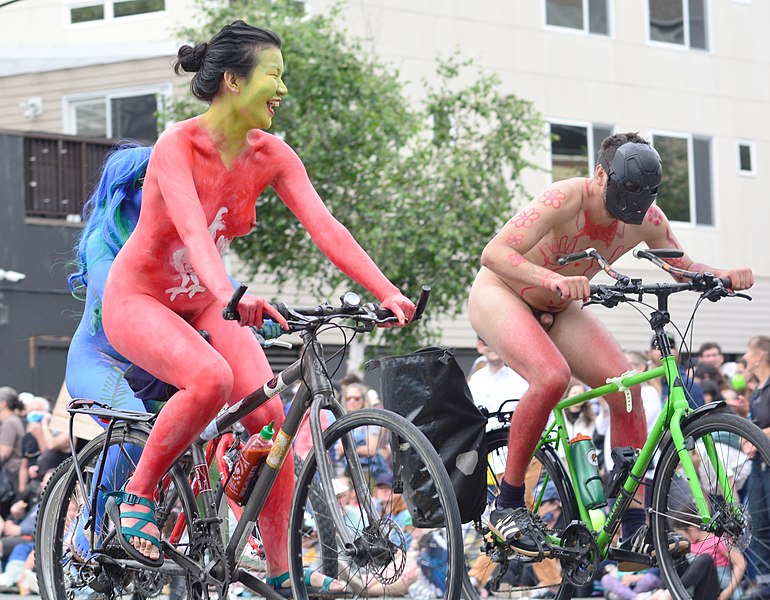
(315, 393)
(674, 410)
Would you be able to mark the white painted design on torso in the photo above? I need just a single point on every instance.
(180, 260)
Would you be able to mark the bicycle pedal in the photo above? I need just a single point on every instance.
(630, 561)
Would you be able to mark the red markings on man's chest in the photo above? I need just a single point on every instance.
(602, 233)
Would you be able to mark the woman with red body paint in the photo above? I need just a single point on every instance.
(200, 192)
(525, 306)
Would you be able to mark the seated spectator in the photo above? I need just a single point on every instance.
(393, 505)
(708, 372)
(711, 353)
(700, 575)
(730, 563)
(11, 435)
(494, 382)
(711, 391)
(374, 458)
(36, 409)
(630, 586)
(16, 541)
(737, 402)
(692, 389)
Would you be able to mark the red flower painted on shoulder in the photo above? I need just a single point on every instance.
(526, 218)
(655, 216)
(517, 239)
(552, 197)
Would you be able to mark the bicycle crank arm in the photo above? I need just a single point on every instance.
(189, 566)
(257, 586)
(560, 553)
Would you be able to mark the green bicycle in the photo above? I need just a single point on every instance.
(701, 483)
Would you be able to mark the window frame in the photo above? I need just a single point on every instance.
(685, 46)
(689, 137)
(752, 157)
(591, 146)
(109, 13)
(585, 29)
(161, 91)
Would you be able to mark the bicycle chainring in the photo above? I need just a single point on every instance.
(213, 579)
(581, 569)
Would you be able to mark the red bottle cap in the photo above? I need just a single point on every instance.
(579, 438)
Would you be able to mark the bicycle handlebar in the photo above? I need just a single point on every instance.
(302, 317)
(713, 288)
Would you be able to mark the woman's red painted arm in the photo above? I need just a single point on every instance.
(331, 237)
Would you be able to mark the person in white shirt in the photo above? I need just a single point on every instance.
(494, 383)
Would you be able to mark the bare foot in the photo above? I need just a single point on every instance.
(144, 546)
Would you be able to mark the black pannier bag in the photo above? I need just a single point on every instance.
(429, 389)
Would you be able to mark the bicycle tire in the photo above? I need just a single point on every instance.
(487, 558)
(60, 573)
(673, 507)
(376, 562)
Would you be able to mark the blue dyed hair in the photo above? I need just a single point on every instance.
(120, 179)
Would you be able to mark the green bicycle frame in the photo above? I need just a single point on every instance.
(670, 418)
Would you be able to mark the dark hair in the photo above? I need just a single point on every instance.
(612, 143)
(709, 346)
(11, 398)
(233, 49)
(706, 370)
(712, 388)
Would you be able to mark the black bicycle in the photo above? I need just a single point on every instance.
(368, 546)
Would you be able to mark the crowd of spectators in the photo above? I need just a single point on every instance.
(30, 450)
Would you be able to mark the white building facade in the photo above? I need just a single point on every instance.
(693, 76)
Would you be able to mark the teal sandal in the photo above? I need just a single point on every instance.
(125, 533)
(325, 590)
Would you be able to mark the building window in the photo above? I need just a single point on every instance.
(590, 16)
(117, 116)
(680, 22)
(60, 172)
(85, 12)
(746, 158)
(574, 148)
(686, 191)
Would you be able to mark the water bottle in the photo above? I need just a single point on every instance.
(586, 463)
(249, 464)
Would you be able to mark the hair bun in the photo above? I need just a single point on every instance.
(191, 59)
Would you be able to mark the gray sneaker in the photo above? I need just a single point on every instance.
(520, 529)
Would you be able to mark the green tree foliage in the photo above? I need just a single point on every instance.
(422, 188)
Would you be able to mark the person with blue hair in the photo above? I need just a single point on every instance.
(94, 368)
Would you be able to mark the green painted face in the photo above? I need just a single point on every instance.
(261, 93)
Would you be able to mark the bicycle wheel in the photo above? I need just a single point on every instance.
(492, 566)
(736, 541)
(387, 555)
(72, 563)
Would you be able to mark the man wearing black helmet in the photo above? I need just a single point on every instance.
(524, 305)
